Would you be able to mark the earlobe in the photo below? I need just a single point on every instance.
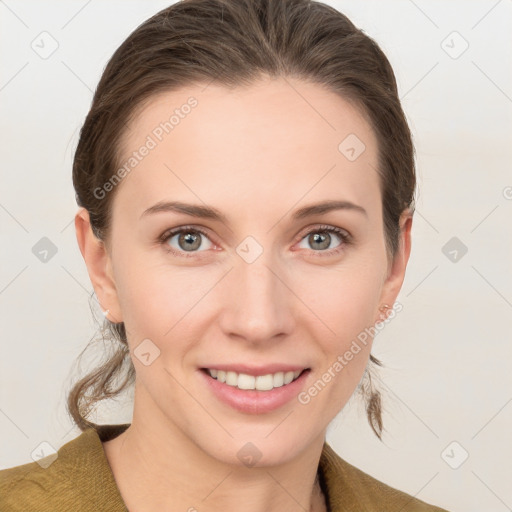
(396, 274)
(99, 268)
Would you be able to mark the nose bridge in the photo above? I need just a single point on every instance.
(258, 305)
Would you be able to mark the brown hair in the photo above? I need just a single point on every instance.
(233, 43)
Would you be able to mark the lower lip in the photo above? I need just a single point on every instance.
(252, 401)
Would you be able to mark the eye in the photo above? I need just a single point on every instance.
(185, 239)
(321, 238)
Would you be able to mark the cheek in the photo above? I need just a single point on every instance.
(344, 298)
(158, 300)
(344, 301)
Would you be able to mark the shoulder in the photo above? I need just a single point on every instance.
(76, 478)
(349, 488)
(30, 487)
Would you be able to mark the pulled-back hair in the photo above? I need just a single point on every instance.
(233, 43)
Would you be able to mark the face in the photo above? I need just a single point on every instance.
(267, 286)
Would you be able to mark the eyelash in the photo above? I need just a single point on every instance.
(345, 237)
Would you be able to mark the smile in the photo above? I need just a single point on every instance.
(259, 383)
(255, 389)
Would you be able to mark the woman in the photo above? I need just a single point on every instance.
(245, 178)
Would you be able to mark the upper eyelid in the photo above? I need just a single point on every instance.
(303, 233)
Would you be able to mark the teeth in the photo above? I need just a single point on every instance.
(263, 382)
(260, 383)
(278, 379)
(231, 378)
(243, 381)
(288, 377)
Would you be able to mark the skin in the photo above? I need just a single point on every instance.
(257, 154)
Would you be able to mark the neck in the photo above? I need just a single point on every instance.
(156, 466)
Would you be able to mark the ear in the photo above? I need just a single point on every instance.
(99, 266)
(396, 269)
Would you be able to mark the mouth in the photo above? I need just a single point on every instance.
(266, 390)
(244, 381)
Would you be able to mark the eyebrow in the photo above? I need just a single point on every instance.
(208, 212)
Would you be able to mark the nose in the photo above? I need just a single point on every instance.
(257, 303)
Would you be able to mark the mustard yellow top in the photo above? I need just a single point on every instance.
(80, 480)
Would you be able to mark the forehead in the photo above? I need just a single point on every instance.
(275, 135)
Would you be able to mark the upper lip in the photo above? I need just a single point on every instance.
(256, 370)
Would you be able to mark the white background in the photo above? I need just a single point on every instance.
(447, 354)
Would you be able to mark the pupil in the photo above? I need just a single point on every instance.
(321, 239)
(190, 239)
